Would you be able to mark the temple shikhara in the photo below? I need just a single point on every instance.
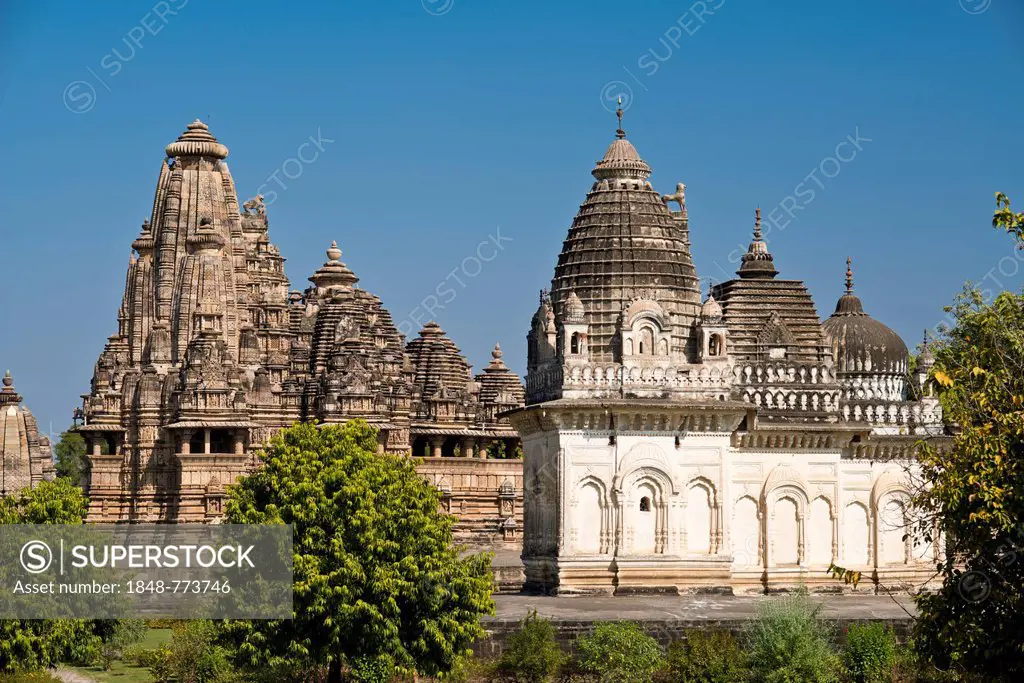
(214, 353)
(667, 438)
(25, 458)
(729, 442)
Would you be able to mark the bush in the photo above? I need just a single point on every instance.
(789, 644)
(194, 656)
(870, 653)
(532, 654)
(124, 633)
(706, 657)
(620, 652)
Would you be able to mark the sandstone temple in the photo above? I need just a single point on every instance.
(736, 441)
(25, 458)
(671, 439)
(213, 353)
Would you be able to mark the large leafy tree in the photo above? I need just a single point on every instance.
(69, 456)
(27, 644)
(379, 585)
(976, 489)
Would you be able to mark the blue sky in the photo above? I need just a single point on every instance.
(453, 119)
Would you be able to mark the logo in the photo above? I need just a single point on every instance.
(36, 557)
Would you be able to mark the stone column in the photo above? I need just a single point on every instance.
(206, 441)
(467, 447)
(483, 446)
(97, 446)
(186, 442)
(436, 444)
(239, 444)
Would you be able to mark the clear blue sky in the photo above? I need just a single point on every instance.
(451, 118)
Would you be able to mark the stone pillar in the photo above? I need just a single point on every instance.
(467, 447)
(484, 445)
(206, 441)
(436, 444)
(239, 444)
(186, 442)
(97, 446)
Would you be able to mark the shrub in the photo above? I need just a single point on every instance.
(870, 653)
(706, 657)
(193, 656)
(620, 652)
(789, 644)
(532, 654)
(123, 634)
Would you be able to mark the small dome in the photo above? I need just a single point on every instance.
(711, 311)
(574, 311)
(926, 359)
(861, 344)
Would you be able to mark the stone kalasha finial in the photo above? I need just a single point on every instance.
(8, 381)
(757, 262)
(619, 133)
(679, 197)
(496, 353)
(333, 252)
(334, 273)
(849, 275)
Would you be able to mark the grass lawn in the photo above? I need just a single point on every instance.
(126, 672)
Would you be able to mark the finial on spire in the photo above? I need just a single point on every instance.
(8, 380)
(849, 276)
(496, 353)
(333, 253)
(757, 225)
(619, 133)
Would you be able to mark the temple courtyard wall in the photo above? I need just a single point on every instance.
(667, 618)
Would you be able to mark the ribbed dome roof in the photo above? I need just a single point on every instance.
(861, 344)
(197, 141)
(625, 244)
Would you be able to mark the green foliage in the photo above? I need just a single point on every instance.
(193, 656)
(974, 491)
(123, 635)
(28, 645)
(870, 653)
(532, 654)
(788, 643)
(706, 656)
(377, 578)
(69, 456)
(50, 502)
(620, 652)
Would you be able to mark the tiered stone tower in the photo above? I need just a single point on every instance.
(25, 458)
(213, 355)
(735, 444)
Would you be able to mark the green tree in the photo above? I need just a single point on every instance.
(974, 490)
(379, 585)
(50, 502)
(27, 644)
(69, 456)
